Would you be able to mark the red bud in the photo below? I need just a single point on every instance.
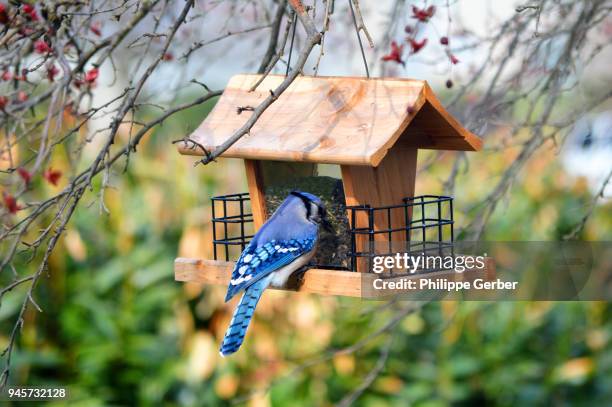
(91, 75)
(22, 96)
(4, 17)
(396, 53)
(52, 176)
(42, 47)
(423, 15)
(96, 28)
(417, 45)
(10, 203)
(24, 174)
(30, 12)
(51, 72)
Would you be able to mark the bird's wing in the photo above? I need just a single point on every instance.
(257, 262)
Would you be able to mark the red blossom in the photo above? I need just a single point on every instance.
(454, 60)
(423, 15)
(22, 96)
(30, 11)
(7, 76)
(52, 176)
(24, 174)
(3, 102)
(11, 203)
(42, 47)
(395, 54)
(91, 75)
(4, 17)
(416, 45)
(96, 28)
(168, 56)
(51, 72)
(444, 40)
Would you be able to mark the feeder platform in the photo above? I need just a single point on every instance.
(315, 280)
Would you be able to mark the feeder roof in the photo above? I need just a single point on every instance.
(336, 120)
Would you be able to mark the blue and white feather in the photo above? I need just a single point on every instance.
(284, 244)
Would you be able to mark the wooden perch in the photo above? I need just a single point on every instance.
(316, 281)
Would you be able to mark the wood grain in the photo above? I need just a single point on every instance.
(336, 120)
(385, 185)
(317, 281)
(256, 192)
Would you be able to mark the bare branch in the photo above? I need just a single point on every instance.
(314, 38)
(592, 206)
(349, 399)
(360, 24)
(228, 34)
(273, 42)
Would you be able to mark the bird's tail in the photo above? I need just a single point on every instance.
(242, 317)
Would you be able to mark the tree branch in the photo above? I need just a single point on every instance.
(314, 38)
(271, 50)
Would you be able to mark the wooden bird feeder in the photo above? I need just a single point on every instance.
(371, 128)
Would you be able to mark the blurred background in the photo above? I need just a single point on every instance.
(118, 330)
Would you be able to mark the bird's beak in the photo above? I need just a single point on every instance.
(327, 225)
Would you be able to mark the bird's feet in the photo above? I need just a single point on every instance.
(299, 275)
(296, 279)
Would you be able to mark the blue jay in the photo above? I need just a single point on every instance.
(284, 244)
